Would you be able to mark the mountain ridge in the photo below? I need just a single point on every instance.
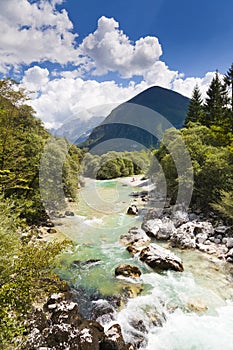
(140, 119)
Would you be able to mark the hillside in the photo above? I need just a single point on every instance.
(139, 122)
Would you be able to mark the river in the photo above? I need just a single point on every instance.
(195, 306)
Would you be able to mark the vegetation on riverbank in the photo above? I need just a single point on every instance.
(26, 268)
(115, 164)
(208, 136)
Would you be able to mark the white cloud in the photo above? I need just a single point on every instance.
(35, 78)
(111, 50)
(35, 32)
(186, 86)
(64, 98)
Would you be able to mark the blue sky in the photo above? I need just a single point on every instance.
(196, 36)
(76, 54)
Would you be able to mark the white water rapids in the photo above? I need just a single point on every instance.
(191, 310)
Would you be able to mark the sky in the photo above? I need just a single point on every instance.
(80, 58)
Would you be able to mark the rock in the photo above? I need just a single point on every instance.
(84, 264)
(113, 339)
(132, 290)
(193, 217)
(132, 210)
(91, 334)
(187, 235)
(69, 213)
(201, 238)
(151, 227)
(224, 240)
(184, 236)
(132, 250)
(229, 254)
(126, 270)
(210, 249)
(136, 237)
(52, 230)
(160, 229)
(223, 230)
(101, 307)
(229, 243)
(152, 214)
(160, 258)
(39, 320)
(197, 306)
(179, 218)
(66, 313)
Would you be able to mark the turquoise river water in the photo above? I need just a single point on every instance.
(196, 305)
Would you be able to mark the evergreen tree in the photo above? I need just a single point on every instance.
(216, 102)
(195, 108)
(228, 79)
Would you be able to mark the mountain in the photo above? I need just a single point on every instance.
(140, 122)
(76, 129)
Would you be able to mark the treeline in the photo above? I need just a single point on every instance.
(115, 164)
(208, 136)
(26, 268)
(22, 143)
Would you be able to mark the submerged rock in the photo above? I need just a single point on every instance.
(160, 258)
(69, 213)
(126, 270)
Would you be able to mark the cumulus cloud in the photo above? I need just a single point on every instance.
(35, 32)
(35, 78)
(111, 50)
(66, 98)
(186, 86)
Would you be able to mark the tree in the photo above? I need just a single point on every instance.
(228, 79)
(195, 108)
(215, 103)
(26, 274)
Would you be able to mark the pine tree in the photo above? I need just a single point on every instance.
(228, 79)
(216, 103)
(195, 108)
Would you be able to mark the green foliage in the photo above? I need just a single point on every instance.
(216, 103)
(25, 270)
(22, 144)
(115, 164)
(212, 163)
(225, 204)
(195, 108)
(228, 79)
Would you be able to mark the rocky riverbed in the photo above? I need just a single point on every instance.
(76, 320)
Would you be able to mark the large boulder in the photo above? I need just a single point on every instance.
(126, 270)
(135, 236)
(161, 229)
(160, 258)
(191, 233)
